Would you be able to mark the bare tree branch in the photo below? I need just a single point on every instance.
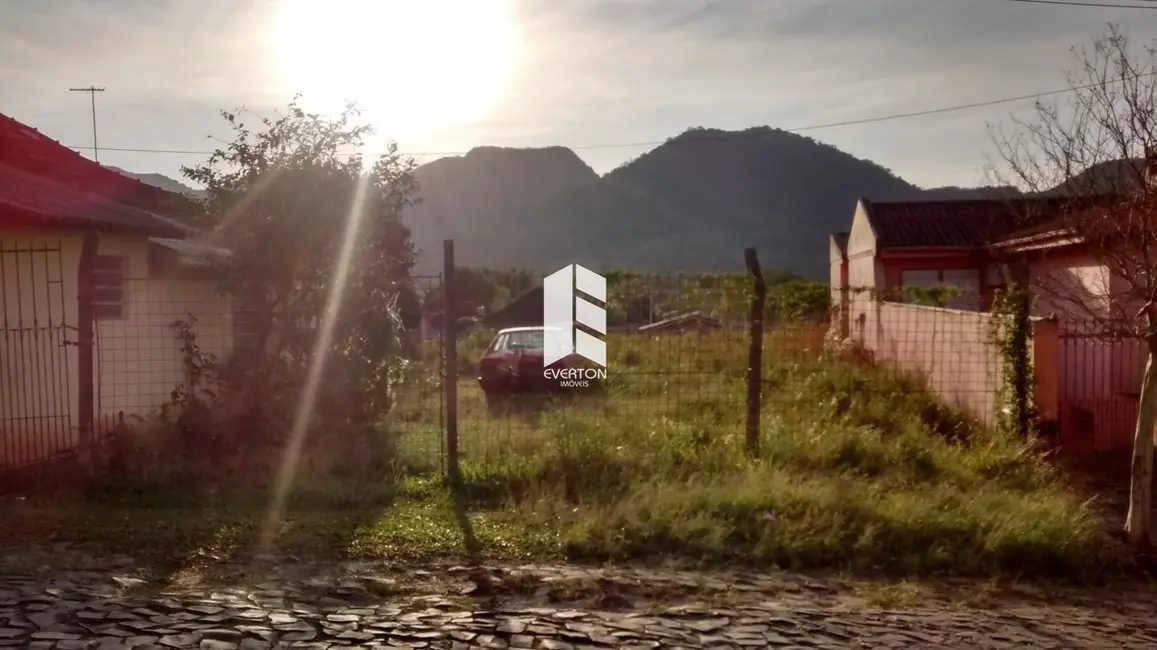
(1095, 153)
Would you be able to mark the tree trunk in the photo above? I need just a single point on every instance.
(1139, 521)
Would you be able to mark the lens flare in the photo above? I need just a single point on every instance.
(287, 470)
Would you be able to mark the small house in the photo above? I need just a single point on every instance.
(68, 223)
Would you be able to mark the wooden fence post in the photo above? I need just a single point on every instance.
(450, 360)
(755, 351)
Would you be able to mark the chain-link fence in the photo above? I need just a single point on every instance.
(418, 415)
(704, 360)
(679, 364)
(679, 368)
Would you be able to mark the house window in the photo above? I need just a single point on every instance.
(244, 324)
(967, 280)
(994, 275)
(108, 287)
(920, 279)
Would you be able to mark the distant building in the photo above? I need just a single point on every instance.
(523, 311)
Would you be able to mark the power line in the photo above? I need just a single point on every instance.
(1073, 3)
(721, 136)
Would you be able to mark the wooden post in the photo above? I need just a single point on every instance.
(450, 360)
(86, 374)
(755, 351)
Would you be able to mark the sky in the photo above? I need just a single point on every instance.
(609, 78)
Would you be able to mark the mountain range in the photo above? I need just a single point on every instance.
(691, 204)
(163, 182)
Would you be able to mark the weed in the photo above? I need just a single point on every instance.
(860, 468)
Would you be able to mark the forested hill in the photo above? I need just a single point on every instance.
(691, 204)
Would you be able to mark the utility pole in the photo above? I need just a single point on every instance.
(92, 91)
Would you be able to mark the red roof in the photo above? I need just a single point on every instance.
(966, 223)
(840, 239)
(47, 185)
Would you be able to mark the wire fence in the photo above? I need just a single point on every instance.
(140, 358)
(956, 353)
(724, 359)
(418, 415)
(679, 367)
(683, 373)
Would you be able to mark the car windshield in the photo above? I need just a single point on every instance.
(525, 340)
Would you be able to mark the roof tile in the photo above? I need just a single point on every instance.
(44, 183)
(965, 223)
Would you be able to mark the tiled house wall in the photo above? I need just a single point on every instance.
(952, 349)
(138, 360)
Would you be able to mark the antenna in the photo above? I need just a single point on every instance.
(92, 91)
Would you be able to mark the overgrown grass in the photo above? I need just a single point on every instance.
(859, 468)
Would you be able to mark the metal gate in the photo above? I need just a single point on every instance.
(1099, 388)
(38, 384)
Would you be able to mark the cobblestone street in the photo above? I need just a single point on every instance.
(467, 608)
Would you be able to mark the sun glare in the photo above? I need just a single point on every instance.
(413, 67)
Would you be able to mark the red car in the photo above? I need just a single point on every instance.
(513, 364)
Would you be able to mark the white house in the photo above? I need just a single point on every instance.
(144, 275)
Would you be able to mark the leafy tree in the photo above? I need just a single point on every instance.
(509, 284)
(794, 299)
(474, 295)
(281, 197)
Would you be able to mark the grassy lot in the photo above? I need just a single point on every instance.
(859, 469)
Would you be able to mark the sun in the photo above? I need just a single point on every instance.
(413, 67)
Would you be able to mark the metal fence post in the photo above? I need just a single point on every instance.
(450, 360)
(86, 339)
(755, 351)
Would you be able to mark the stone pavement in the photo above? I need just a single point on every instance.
(553, 608)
